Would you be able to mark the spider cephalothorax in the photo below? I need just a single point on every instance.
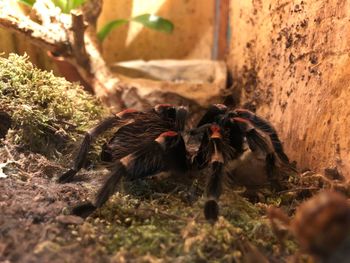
(150, 142)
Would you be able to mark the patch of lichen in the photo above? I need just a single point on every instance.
(48, 113)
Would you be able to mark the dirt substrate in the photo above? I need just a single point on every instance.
(150, 221)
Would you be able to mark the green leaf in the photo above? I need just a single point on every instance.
(155, 22)
(68, 5)
(61, 4)
(73, 4)
(27, 2)
(109, 27)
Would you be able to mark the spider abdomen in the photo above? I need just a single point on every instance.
(248, 170)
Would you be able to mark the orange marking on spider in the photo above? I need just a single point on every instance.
(221, 106)
(165, 105)
(122, 113)
(161, 137)
(168, 134)
(215, 129)
(238, 119)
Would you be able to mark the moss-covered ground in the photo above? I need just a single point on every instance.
(48, 113)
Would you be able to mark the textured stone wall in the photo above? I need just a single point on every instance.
(291, 61)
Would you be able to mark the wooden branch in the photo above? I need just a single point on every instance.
(91, 11)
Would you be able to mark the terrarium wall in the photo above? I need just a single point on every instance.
(192, 37)
(291, 61)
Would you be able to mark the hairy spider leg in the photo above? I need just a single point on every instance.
(257, 142)
(177, 114)
(212, 114)
(265, 126)
(214, 182)
(130, 137)
(149, 160)
(107, 190)
(181, 117)
(91, 135)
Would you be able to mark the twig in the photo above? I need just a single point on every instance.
(78, 44)
(298, 189)
(9, 153)
(92, 10)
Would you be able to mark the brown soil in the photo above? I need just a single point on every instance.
(31, 206)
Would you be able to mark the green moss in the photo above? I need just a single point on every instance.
(47, 112)
(165, 226)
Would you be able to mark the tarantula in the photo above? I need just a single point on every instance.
(147, 143)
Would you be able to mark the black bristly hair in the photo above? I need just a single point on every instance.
(107, 190)
(90, 136)
(166, 111)
(225, 133)
(132, 136)
(218, 152)
(172, 113)
(134, 130)
(150, 142)
(266, 127)
(213, 114)
(254, 139)
(181, 117)
(206, 148)
(236, 139)
(150, 159)
(213, 192)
